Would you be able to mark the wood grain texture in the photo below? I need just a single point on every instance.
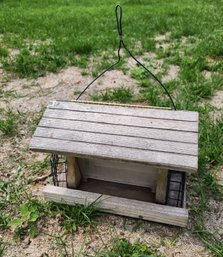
(122, 141)
(161, 138)
(137, 174)
(131, 208)
(122, 120)
(79, 149)
(137, 111)
(141, 106)
(111, 129)
(73, 172)
(62, 179)
(161, 185)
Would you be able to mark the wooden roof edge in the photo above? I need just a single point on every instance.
(186, 169)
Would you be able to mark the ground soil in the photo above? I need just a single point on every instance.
(34, 95)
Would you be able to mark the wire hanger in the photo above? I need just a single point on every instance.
(118, 13)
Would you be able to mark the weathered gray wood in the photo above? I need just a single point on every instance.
(128, 110)
(131, 134)
(73, 172)
(161, 185)
(127, 173)
(111, 129)
(90, 150)
(123, 141)
(122, 120)
(62, 179)
(127, 207)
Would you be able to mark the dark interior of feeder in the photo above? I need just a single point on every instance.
(122, 179)
(127, 180)
(118, 189)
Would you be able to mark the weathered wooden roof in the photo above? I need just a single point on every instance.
(159, 137)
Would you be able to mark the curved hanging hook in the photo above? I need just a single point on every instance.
(119, 19)
(121, 43)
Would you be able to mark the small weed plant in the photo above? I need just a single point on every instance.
(3, 52)
(8, 122)
(210, 240)
(29, 213)
(19, 211)
(72, 217)
(2, 248)
(123, 248)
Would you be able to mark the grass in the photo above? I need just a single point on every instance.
(8, 122)
(2, 249)
(119, 247)
(20, 212)
(122, 95)
(3, 52)
(122, 247)
(210, 240)
(190, 89)
(26, 222)
(72, 217)
(50, 35)
(5, 95)
(25, 64)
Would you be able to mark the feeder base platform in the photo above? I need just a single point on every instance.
(118, 205)
(133, 158)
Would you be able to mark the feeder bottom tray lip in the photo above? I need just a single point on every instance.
(118, 205)
(144, 194)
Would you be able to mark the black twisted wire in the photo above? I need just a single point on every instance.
(122, 44)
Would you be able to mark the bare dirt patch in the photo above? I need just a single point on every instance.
(162, 41)
(219, 175)
(166, 239)
(214, 218)
(162, 37)
(148, 59)
(172, 73)
(217, 100)
(32, 96)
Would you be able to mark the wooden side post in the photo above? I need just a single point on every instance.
(73, 172)
(161, 185)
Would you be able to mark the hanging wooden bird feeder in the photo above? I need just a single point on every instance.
(134, 159)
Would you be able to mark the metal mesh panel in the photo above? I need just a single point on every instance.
(175, 188)
(58, 169)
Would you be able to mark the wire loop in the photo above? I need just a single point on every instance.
(118, 8)
(118, 14)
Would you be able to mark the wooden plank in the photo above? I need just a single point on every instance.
(62, 179)
(161, 185)
(166, 160)
(117, 205)
(127, 110)
(119, 172)
(123, 141)
(73, 172)
(122, 120)
(140, 132)
(141, 106)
